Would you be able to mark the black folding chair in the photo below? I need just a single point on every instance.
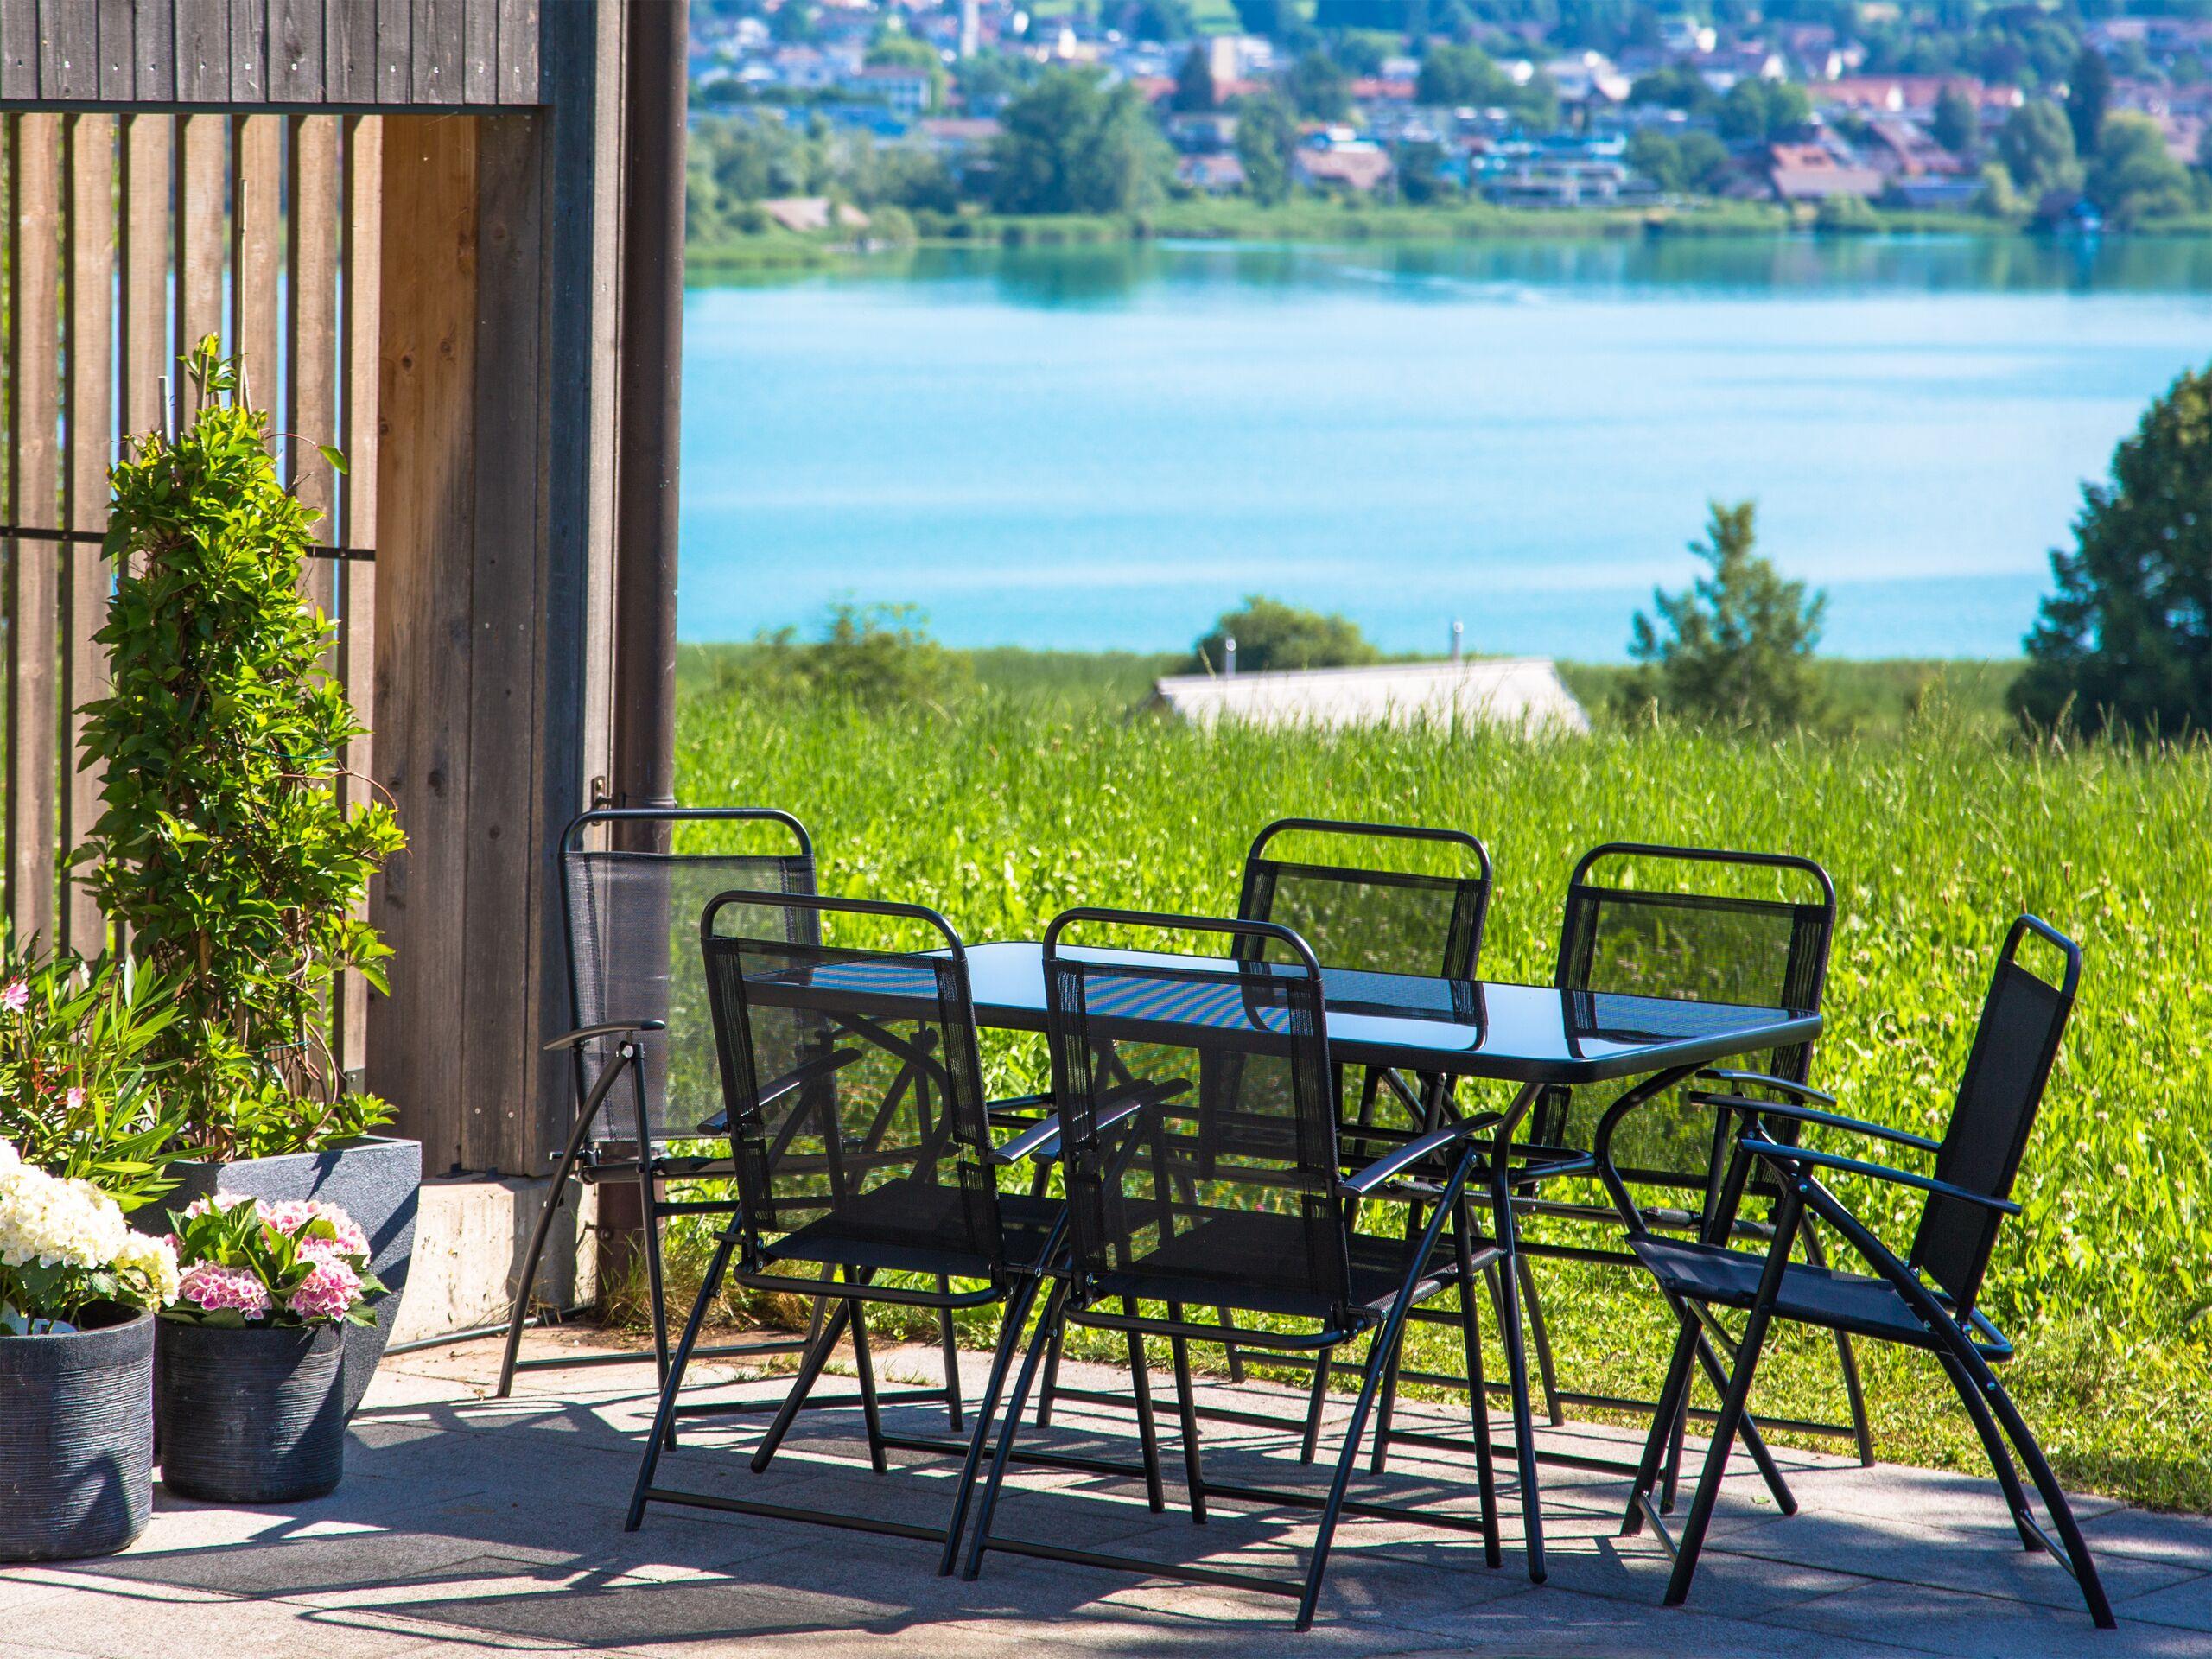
(1628, 927)
(863, 1147)
(643, 1037)
(1356, 911)
(1199, 1118)
(1925, 1300)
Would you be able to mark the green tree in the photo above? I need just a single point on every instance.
(1317, 88)
(1678, 87)
(1162, 20)
(1657, 157)
(1763, 111)
(1267, 131)
(2133, 179)
(1268, 18)
(2125, 639)
(2088, 95)
(1957, 125)
(1270, 634)
(1460, 76)
(878, 655)
(1736, 646)
(1073, 146)
(2036, 146)
(1195, 92)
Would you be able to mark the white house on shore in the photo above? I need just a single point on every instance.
(1525, 693)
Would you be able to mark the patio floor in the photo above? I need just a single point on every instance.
(467, 1523)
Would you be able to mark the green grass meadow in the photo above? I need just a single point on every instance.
(1044, 786)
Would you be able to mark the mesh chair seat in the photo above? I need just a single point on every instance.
(857, 1235)
(1194, 1258)
(1811, 1295)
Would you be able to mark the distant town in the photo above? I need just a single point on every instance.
(875, 122)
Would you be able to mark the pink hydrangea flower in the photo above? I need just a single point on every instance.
(292, 1214)
(328, 1292)
(16, 997)
(208, 1285)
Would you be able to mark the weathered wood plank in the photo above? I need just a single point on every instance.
(295, 51)
(356, 393)
(149, 147)
(203, 51)
(118, 62)
(360, 289)
(90, 277)
(49, 50)
(435, 55)
(256, 249)
(313, 245)
(517, 31)
(201, 243)
(153, 44)
(479, 51)
(18, 49)
(511, 1126)
(395, 51)
(425, 475)
(249, 51)
(34, 594)
(73, 32)
(349, 31)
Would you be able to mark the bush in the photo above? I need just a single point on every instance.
(222, 850)
(1270, 634)
(2126, 640)
(872, 655)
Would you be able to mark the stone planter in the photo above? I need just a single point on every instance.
(76, 1439)
(252, 1416)
(374, 1180)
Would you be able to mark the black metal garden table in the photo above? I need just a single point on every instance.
(1536, 1037)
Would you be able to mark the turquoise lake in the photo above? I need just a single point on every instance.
(1105, 448)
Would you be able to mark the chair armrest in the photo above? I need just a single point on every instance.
(1400, 1159)
(1017, 1108)
(1782, 1157)
(1043, 1142)
(1763, 1080)
(612, 1028)
(1828, 1119)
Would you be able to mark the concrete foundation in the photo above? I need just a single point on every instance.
(471, 1236)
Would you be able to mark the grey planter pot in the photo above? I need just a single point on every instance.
(76, 1439)
(376, 1180)
(252, 1416)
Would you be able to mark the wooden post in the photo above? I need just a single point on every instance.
(34, 497)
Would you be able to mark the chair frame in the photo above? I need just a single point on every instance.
(1964, 1343)
(1014, 1284)
(580, 1159)
(1408, 1173)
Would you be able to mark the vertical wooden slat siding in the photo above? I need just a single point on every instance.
(203, 51)
(435, 51)
(517, 33)
(153, 27)
(18, 49)
(311, 352)
(249, 51)
(395, 30)
(74, 27)
(34, 598)
(480, 52)
(119, 58)
(91, 281)
(295, 52)
(148, 145)
(203, 142)
(509, 1122)
(360, 287)
(48, 51)
(425, 473)
(257, 248)
(349, 53)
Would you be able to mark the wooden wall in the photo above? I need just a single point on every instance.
(239, 54)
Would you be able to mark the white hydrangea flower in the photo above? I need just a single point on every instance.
(153, 1261)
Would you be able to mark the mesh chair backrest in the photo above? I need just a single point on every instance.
(633, 953)
(1369, 915)
(1225, 1192)
(2022, 1020)
(855, 1094)
(1706, 947)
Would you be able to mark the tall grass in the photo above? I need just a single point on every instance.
(1011, 807)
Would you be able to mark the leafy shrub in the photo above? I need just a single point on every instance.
(1270, 634)
(222, 849)
(872, 655)
(78, 1082)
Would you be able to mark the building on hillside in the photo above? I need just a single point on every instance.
(904, 87)
(1809, 173)
(1215, 174)
(1357, 166)
(1201, 132)
(1894, 94)
(1522, 694)
(1588, 78)
(814, 215)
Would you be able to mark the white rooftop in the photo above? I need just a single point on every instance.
(1523, 692)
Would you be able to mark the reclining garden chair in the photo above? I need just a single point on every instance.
(1925, 1298)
